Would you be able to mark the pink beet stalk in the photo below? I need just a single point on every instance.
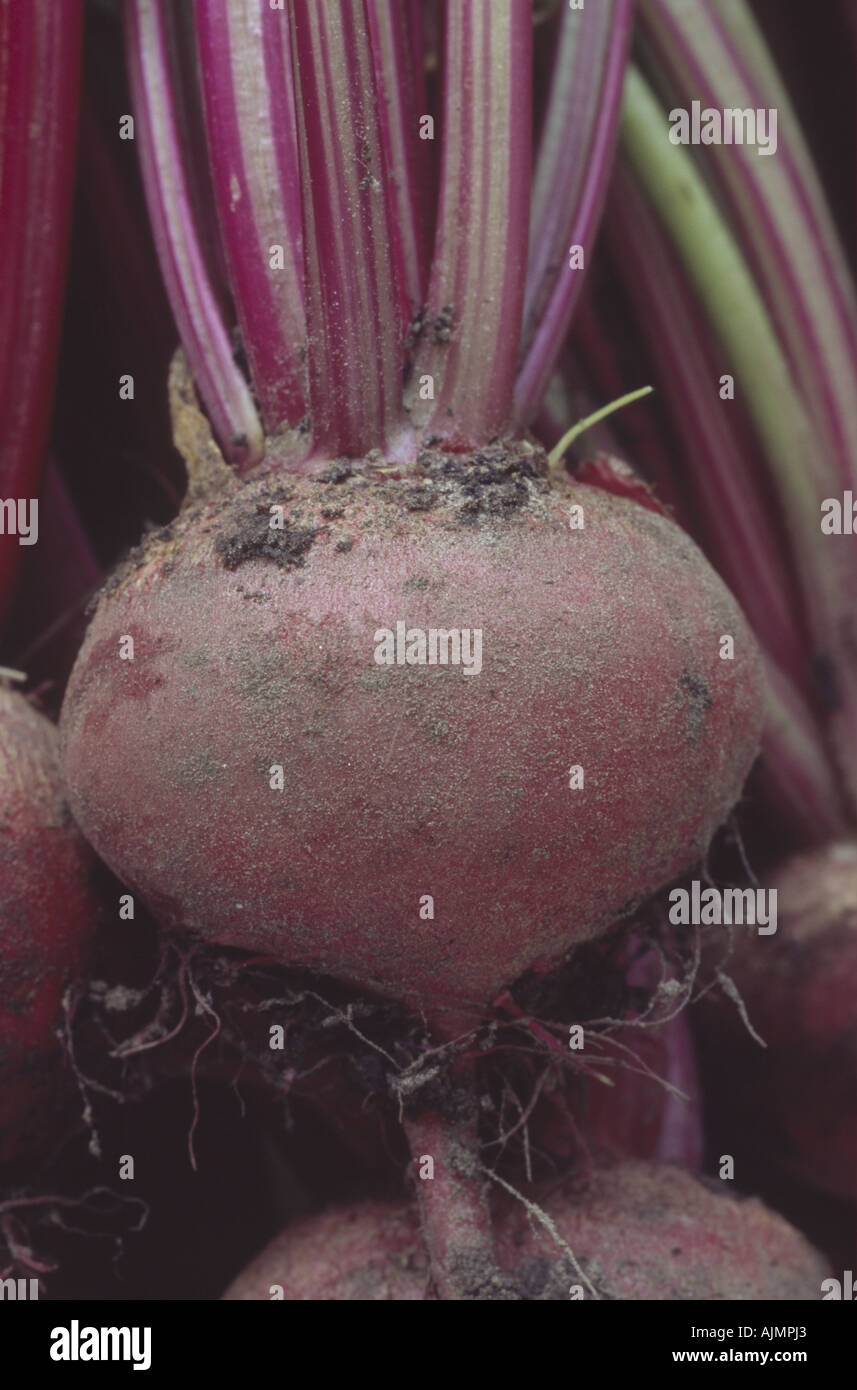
(469, 342)
(400, 77)
(795, 768)
(192, 296)
(802, 475)
(248, 96)
(720, 459)
(739, 532)
(715, 53)
(39, 82)
(570, 182)
(355, 306)
(680, 1138)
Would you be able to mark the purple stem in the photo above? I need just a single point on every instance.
(469, 344)
(745, 543)
(185, 85)
(680, 1139)
(39, 86)
(715, 54)
(221, 385)
(248, 99)
(802, 475)
(401, 85)
(748, 549)
(355, 307)
(794, 769)
(570, 184)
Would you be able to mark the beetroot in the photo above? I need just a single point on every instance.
(797, 1097)
(47, 916)
(638, 1231)
(255, 647)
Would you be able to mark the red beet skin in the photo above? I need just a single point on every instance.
(47, 916)
(638, 1231)
(255, 647)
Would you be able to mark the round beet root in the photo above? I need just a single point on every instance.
(638, 1231)
(47, 916)
(797, 1097)
(263, 776)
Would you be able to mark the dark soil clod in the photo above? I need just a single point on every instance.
(250, 536)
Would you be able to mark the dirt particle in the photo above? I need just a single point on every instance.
(248, 535)
(441, 324)
(494, 482)
(415, 328)
(338, 472)
(698, 701)
(478, 1279)
(421, 499)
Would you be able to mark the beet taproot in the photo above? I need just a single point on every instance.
(410, 789)
(48, 913)
(638, 1231)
